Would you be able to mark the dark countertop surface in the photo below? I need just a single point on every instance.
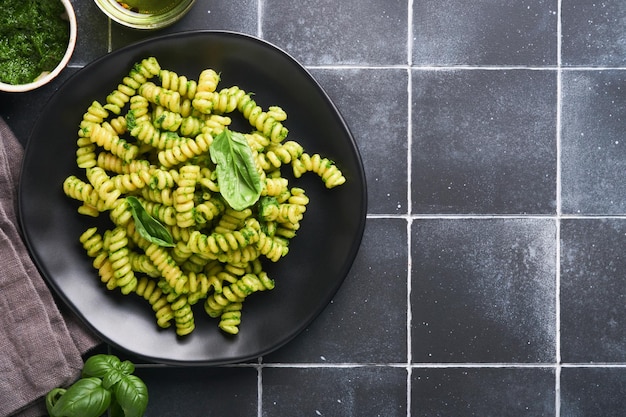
(490, 280)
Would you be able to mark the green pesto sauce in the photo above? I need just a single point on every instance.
(33, 38)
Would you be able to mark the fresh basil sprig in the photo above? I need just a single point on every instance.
(106, 382)
(148, 227)
(237, 176)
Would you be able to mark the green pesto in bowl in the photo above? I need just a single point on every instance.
(33, 39)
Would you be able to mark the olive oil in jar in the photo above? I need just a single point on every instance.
(149, 6)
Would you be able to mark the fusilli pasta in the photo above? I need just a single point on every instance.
(151, 140)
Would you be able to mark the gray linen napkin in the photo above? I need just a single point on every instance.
(41, 346)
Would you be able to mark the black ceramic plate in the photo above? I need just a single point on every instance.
(306, 279)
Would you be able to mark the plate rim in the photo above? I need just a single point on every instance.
(58, 292)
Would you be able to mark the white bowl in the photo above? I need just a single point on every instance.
(49, 76)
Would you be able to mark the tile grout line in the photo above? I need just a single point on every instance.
(443, 68)
(409, 224)
(557, 296)
(259, 388)
(109, 36)
(259, 14)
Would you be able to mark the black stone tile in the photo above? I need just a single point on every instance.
(200, 391)
(327, 32)
(483, 290)
(366, 320)
(593, 33)
(593, 148)
(500, 392)
(484, 141)
(485, 32)
(350, 392)
(593, 392)
(239, 16)
(593, 290)
(374, 104)
(93, 33)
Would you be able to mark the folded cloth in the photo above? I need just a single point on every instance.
(41, 345)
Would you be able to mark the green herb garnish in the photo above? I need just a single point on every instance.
(106, 382)
(237, 175)
(148, 227)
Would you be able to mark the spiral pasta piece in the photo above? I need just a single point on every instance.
(105, 271)
(150, 291)
(141, 263)
(275, 186)
(232, 220)
(139, 110)
(323, 167)
(120, 212)
(165, 264)
(226, 100)
(216, 243)
(119, 125)
(196, 263)
(172, 81)
(230, 318)
(183, 316)
(184, 195)
(95, 115)
(237, 292)
(209, 210)
(145, 132)
(185, 151)
(92, 242)
(120, 260)
(161, 96)
(215, 124)
(162, 196)
(241, 255)
(117, 165)
(262, 121)
(272, 247)
(79, 190)
(257, 141)
(166, 120)
(166, 214)
(146, 69)
(103, 184)
(208, 80)
(118, 98)
(132, 181)
(191, 126)
(111, 142)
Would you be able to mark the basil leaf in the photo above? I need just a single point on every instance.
(85, 398)
(131, 394)
(148, 227)
(115, 410)
(52, 398)
(126, 367)
(237, 176)
(111, 378)
(99, 365)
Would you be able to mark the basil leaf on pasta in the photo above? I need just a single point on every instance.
(148, 227)
(237, 176)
